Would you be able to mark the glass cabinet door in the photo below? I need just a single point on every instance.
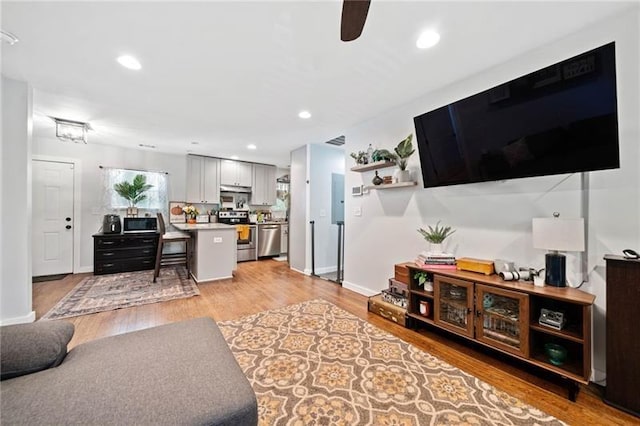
(502, 319)
(453, 300)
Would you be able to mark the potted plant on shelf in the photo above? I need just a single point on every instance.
(423, 279)
(436, 235)
(133, 192)
(404, 150)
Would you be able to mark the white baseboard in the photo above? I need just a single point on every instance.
(31, 317)
(598, 376)
(305, 272)
(84, 270)
(359, 289)
(326, 270)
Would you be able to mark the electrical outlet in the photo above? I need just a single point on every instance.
(357, 211)
(217, 239)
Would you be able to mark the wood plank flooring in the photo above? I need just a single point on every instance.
(268, 284)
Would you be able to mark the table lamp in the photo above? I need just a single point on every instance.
(557, 235)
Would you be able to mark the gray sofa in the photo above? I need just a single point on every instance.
(181, 373)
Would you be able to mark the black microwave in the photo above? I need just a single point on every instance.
(140, 224)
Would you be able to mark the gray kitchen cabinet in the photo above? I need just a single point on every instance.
(236, 173)
(263, 188)
(203, 180)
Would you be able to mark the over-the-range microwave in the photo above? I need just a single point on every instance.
(140, 224)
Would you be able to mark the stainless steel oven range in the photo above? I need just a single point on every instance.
(246, 233)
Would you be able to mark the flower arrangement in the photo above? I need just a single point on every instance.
(190, 211)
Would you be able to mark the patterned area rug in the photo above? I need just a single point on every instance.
(315, 364)
(101, 293)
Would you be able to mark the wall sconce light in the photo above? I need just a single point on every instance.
(557, 235)
(68, 130)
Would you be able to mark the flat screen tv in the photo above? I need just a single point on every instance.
(560, 119)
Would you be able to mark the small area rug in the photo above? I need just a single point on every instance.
(313, 363)
(101, 293)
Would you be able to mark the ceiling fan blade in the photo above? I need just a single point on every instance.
(354, 15)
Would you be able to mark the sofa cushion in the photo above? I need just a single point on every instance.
(27, 348)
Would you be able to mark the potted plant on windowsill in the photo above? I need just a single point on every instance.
(404, 150)
(133, 192)
(436, 235)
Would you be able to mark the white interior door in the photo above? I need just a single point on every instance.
(52, 218)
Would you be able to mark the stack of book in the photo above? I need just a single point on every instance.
(436, 260)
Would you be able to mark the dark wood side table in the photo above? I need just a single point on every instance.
(124, 252)
(623, 334)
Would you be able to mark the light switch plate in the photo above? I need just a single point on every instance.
(357, 211)
(217, 239)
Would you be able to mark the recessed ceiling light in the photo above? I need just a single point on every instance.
(251, 146)
(428, 39)
(146, 145)
(195, 143)
(234, 157)
(129, 62)
(304, 114)
(8, 37)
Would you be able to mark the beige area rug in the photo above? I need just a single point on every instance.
(315, 364)
(101, 293)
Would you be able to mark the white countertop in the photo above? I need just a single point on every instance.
(204, 227)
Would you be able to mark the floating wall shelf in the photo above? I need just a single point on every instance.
(372, 166)
(392, 185)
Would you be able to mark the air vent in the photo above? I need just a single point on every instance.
(339, 141)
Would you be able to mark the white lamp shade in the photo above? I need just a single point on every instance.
(558, 234)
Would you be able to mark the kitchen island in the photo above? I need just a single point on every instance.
(214, 250)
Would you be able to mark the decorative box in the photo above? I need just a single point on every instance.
(402, 272)
(398, 287)
(475, 265)
(394, 299)
(387, 310)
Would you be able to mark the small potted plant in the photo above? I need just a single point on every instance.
(133, 192)
(423, 279)
(360, 157)
(191, 213)
(404, 150)
(436, 235)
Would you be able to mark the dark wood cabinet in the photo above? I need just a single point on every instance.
(623, 334)
(504, 315)
(124, 252)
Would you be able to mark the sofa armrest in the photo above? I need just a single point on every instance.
(27, 348)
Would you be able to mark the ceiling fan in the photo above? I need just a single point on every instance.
(354, 14)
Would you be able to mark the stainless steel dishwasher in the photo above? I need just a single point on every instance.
(269, 240)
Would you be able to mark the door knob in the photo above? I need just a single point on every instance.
(68, 226)
(68, 219)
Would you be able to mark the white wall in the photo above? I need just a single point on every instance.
(15, 225)
(299, 208)
(323, 162)
(493, 220)
(90, 157)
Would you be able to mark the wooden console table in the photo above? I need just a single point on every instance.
(504, 315)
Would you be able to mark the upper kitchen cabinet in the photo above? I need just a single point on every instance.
(263, 191)
(203, 180)
(235, 173)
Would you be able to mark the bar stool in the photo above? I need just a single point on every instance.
(171, 258)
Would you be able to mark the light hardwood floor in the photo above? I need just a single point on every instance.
(269, 284)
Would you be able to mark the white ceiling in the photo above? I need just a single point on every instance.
(227, 74)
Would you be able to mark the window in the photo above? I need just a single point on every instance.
(156, 195)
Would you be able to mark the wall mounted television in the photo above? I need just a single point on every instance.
(559, 119)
